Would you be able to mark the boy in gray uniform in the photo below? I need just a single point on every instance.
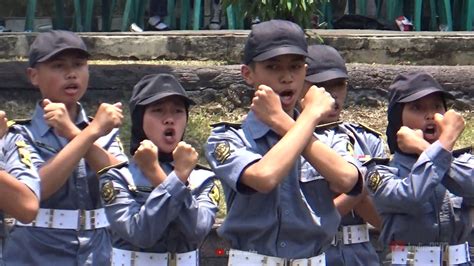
(162, 205)
(425, 194)
(70, 228)
(280, 208)
(19, 180)
(351, 246)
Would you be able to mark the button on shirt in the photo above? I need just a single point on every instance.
(169, 218)
(295, 220)
(42, 246)
(414, 191)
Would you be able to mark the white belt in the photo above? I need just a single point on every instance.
(239, 257)
(352, 234)
(69, 219)
(430, 255)
(127, 257)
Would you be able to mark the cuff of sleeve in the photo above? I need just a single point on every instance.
(175, 187)
(440, 157)
(357, 189)
(34, 186)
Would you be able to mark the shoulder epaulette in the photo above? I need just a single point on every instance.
(369, 129)
(377, 160)
(328, 125)
(25, 121)
(116, 166)
(458, 152)
(228, 124)
(203, 167)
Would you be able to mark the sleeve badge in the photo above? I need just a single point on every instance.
(24, 153)
(374, 181)
(108, 192)
(214, 194)
(222, 151)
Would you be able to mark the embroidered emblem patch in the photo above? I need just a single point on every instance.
(108, 192)
(350, 148)
(215, 195)
(222, 151)
(374, 181)
(24, 153)
(120, 144)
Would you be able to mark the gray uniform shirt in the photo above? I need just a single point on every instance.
(172, 217)
(16, 157)
(365, 144)
(295, 220)
(42, 246)
(425, 200)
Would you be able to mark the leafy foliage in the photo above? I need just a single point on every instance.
(298, 11)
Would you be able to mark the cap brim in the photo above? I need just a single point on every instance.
(425, 92)
(280, 51)
(58, 51)
(326, 75)
(160, 96)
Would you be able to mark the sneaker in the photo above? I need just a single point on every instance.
(135, 28)
(256, 20)
(214, 25)
(157, 24)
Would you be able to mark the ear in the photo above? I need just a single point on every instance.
(32, 75)
(247, 73)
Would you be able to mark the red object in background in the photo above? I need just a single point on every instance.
(404, 24)
(219, 252)
(397, 245)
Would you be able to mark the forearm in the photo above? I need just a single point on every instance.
(56, 171)
(344, 203)
(155, 174)
(98, 158)
(341, 175)
(366, 209)
(341, 178)
(265, 175)
(16, 199)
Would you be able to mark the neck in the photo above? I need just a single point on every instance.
(72, 111)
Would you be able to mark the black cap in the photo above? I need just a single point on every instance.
(152, 88)
(324, 63)
(273, 38)
(407, 88)
(413, 86)
(48, 44)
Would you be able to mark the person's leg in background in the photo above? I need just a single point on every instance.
(215, 22)
(338, 8)
(158, 12)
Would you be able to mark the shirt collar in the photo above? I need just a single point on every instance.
(254, 126)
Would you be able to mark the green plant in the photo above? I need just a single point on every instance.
(298, 11)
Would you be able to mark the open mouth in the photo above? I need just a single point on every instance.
(430, 132)
(72, 88)
(286, 97)
(169, 134)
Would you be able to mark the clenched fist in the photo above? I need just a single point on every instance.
(185, 158)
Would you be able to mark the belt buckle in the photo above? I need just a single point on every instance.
(81, 220)
(172, 259)
(92, 219)
(445, 254)
(51, 218)
(411, 251)
(339, 237)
